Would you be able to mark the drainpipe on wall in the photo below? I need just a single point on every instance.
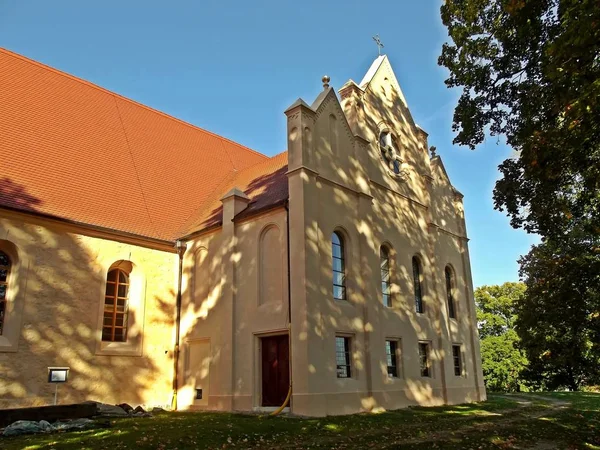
(289, 395)
(180, 246)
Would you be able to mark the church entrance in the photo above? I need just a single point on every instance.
(275, 369)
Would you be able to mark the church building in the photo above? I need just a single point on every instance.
(164, 265)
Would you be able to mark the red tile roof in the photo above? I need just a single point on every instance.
(265, 183)
(73, 150)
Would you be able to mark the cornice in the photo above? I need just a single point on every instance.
(302, 169)
(94, 231)
(434, 226)
(412, 200)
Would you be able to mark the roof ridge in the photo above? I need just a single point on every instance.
(100, 88)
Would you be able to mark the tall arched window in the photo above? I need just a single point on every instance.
(338, 259)
(417, 277)
(116, 299)
(384, 263)
(449, 296)
(5, 264)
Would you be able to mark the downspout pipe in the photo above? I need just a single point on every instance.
(289, 277)
(180, 246)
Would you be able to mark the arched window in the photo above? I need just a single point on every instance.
(417, 277)
(116, 305)
(338, 259)
(384, 263)
(5, 264)
(449, 296)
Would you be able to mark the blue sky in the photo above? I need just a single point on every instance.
(232, 67)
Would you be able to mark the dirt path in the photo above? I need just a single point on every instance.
(525, 401)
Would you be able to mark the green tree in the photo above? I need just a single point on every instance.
(502, 360)
(559, 315)
(530, 70)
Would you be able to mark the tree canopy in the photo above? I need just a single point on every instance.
(530, 70)
(496, 308)
(502, 360)
(558, 319)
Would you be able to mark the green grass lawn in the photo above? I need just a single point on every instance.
(536, 421)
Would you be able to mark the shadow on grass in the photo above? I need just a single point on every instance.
(497, 423)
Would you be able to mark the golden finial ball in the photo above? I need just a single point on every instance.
(325, 80)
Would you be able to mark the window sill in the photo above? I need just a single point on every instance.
(118, 348)
(394, 383)
(346, 380)
(348, 384)
(343, 302)
(6, 346)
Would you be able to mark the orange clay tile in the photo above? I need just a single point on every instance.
(73, 150)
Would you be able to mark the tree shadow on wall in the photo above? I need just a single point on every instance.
(399, 215)
(266, 191)
(65, 285)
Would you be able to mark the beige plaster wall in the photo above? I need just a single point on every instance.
(62, 279)
(235, 284)
(244, 296)
(338, 181)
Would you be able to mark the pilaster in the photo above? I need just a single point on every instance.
(443, 335)
(300, 130)
(233, 203)
(470, 299)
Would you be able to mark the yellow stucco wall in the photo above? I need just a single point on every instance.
(338, 181)
(238, 300)
(235, 284)
(60, 295)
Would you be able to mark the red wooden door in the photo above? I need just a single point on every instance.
(275, 370)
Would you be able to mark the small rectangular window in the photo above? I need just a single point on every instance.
(391, 354)
(424, 362)
(457, 357)
(342, 357)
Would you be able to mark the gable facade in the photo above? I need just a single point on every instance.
(345, 186)
(265, 301)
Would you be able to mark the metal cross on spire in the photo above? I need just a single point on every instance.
(379, 43)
